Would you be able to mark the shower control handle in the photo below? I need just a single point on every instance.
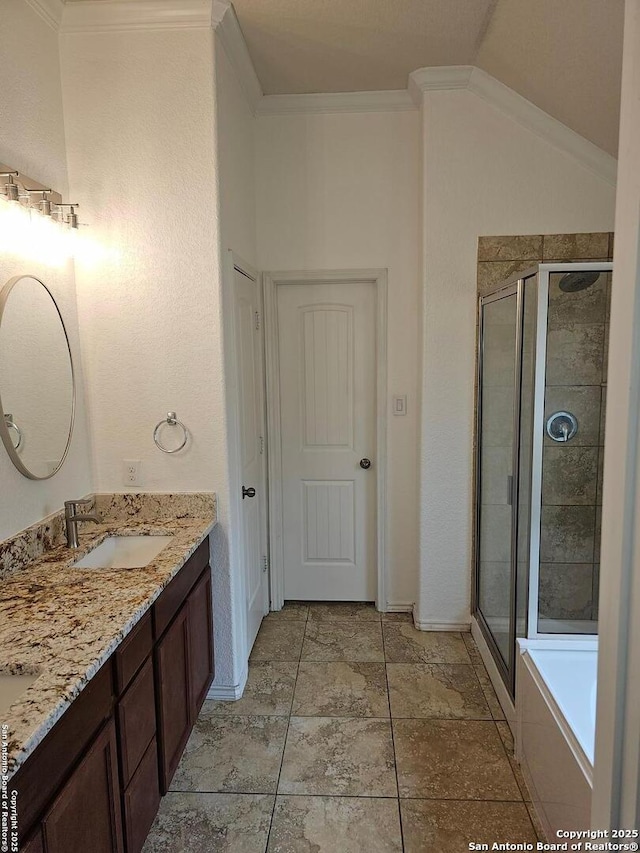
(562, 426)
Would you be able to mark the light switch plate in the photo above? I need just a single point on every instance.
(400, 404)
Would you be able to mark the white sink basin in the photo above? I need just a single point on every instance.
(124, 552)
(12, 687)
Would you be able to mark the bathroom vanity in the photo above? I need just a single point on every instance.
(123, 660)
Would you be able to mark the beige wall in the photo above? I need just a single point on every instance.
(342, 191)
(140, 113)
(483, 174)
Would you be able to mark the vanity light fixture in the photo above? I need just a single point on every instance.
(35, 223)
(43, 204)
(11, 190)
(33, 196)
(71, 219)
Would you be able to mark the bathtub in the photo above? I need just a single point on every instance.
(555, 728)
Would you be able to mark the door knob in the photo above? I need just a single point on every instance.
(365, 463)
(248, 493)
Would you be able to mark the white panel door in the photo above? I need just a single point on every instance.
(327, 349)
(249, 359)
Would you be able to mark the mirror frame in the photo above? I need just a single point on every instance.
(4, 430)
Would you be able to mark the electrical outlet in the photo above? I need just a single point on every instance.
(132, 471)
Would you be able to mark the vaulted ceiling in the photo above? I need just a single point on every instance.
(357, 45)
(563, 55)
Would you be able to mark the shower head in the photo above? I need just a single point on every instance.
(572, 282)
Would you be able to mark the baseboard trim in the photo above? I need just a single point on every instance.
(439, 626)
(229, 692)
(399, 607)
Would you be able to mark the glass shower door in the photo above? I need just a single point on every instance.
(497, 398)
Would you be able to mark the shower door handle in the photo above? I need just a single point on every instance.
(510, 489)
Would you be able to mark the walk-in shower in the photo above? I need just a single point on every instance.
(542, 372)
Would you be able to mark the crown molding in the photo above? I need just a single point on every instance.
(117, 15)
(553, 131)
(225, 23)
(50, 11)
(519, 109)
(336, 102)
(438, 78)
(114, 15)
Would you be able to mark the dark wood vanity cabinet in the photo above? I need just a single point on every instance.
(184, 671)
(95, 781)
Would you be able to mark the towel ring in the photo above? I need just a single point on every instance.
(11, 424)
(172, 420)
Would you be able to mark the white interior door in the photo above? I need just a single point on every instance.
(249, 359)
(327, 354)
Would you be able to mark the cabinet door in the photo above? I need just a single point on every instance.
(86, 813)
(173, 695)
(200, 642)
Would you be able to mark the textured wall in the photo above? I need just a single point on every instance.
(140, 122)
(343, 191)
(32, 140)
(483, 174)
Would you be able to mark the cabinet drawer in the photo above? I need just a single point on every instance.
(132, 653)
(142, 800)
(136, 721)
(173, 597)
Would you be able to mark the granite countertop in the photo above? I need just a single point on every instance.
(63, 623)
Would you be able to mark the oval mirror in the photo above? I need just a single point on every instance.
(37, 387)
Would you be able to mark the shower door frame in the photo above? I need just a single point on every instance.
(514, 286)
(544, 273)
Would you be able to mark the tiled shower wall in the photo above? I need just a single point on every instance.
(577, 343)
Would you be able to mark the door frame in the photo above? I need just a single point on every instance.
(271, 282)
(231, 263)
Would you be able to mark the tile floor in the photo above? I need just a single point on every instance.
(355, 733)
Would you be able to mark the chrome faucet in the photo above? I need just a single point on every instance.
(71, 519)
